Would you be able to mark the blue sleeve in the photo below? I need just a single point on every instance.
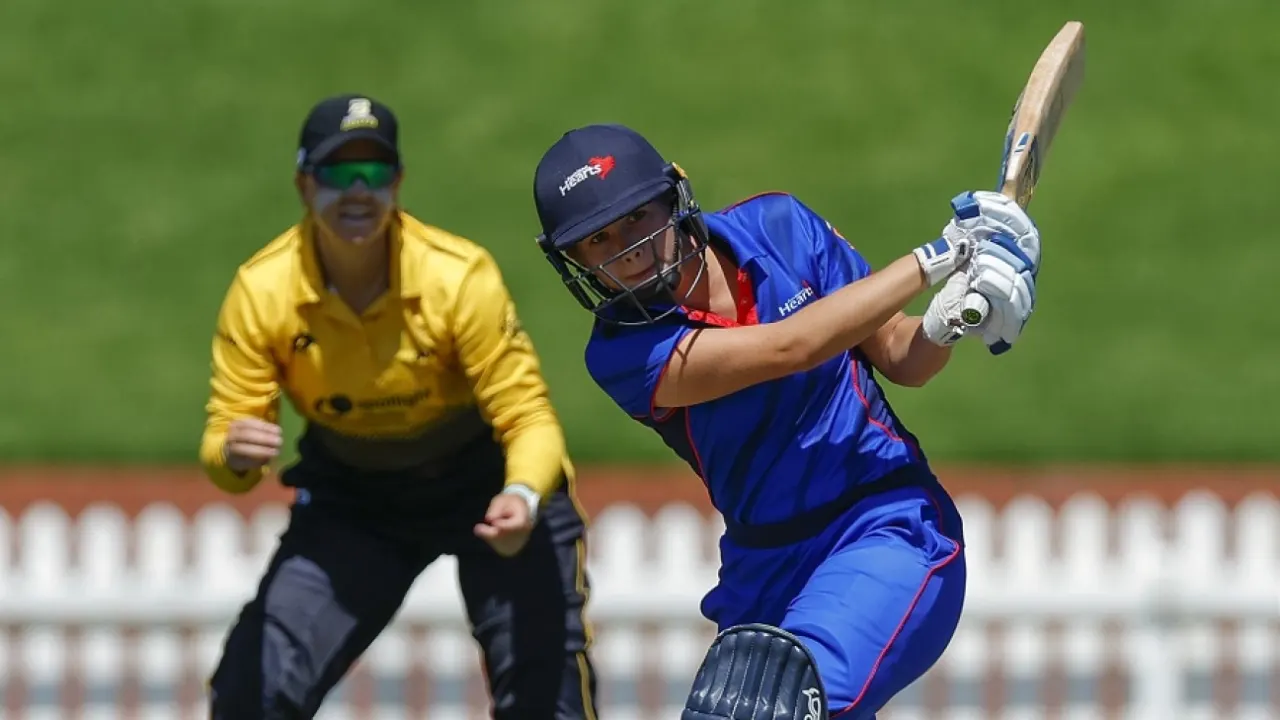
(837, 262)
(627, 364)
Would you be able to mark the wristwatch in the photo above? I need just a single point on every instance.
(530, 497)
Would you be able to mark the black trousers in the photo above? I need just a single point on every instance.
(335, 583)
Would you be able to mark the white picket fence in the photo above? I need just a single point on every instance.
(1137, 610)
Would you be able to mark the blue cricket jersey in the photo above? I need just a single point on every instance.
(770, 451)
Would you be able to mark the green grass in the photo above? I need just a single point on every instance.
(147, 150)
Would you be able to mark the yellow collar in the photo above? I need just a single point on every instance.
(311, 280)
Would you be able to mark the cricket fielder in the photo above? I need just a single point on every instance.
(428, 432)
(749, 339)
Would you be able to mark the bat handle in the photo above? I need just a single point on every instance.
(974, 310)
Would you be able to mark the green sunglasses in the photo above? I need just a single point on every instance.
(342, 175)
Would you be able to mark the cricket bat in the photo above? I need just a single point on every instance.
(1036, 116)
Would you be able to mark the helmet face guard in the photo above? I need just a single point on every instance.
(655, 298)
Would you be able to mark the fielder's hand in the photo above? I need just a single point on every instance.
(507, 523)
(251, 443)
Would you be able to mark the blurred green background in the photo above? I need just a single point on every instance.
(147, 149)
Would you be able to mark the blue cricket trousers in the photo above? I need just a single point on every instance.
(876, 596)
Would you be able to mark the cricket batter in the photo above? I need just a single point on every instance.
(428, 432)
(749, 339)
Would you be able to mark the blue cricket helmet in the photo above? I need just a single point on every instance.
(594, 176)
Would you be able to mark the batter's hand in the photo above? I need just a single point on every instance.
(506, 524)
(941, 258)
(1004, 272)
(941, 324)
(1005, 265)
(251, 443)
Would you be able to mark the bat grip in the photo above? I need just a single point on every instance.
(973, 312)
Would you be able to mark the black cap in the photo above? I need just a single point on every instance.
(337, 120)
(594, 175)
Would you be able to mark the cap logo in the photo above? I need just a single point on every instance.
(597, 166)
(359, 115)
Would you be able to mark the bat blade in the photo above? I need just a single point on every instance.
(1033, 124)
(1038, 112)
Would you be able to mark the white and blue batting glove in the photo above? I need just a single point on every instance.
(941, 323)
(1005, 264)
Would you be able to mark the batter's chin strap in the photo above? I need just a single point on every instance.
(756, 672)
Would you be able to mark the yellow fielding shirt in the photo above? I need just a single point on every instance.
(436, 362)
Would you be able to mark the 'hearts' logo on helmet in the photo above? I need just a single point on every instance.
(598, 166)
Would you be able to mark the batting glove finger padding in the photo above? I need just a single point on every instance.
(998, 214)
(1005, 264)
(1005, 276)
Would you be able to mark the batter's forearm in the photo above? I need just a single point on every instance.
(853, 313)
(910, 359)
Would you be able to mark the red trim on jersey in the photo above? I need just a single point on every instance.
(747, 311)
(693, 448)
(866, 404)
(653, 397)
(911, 608)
